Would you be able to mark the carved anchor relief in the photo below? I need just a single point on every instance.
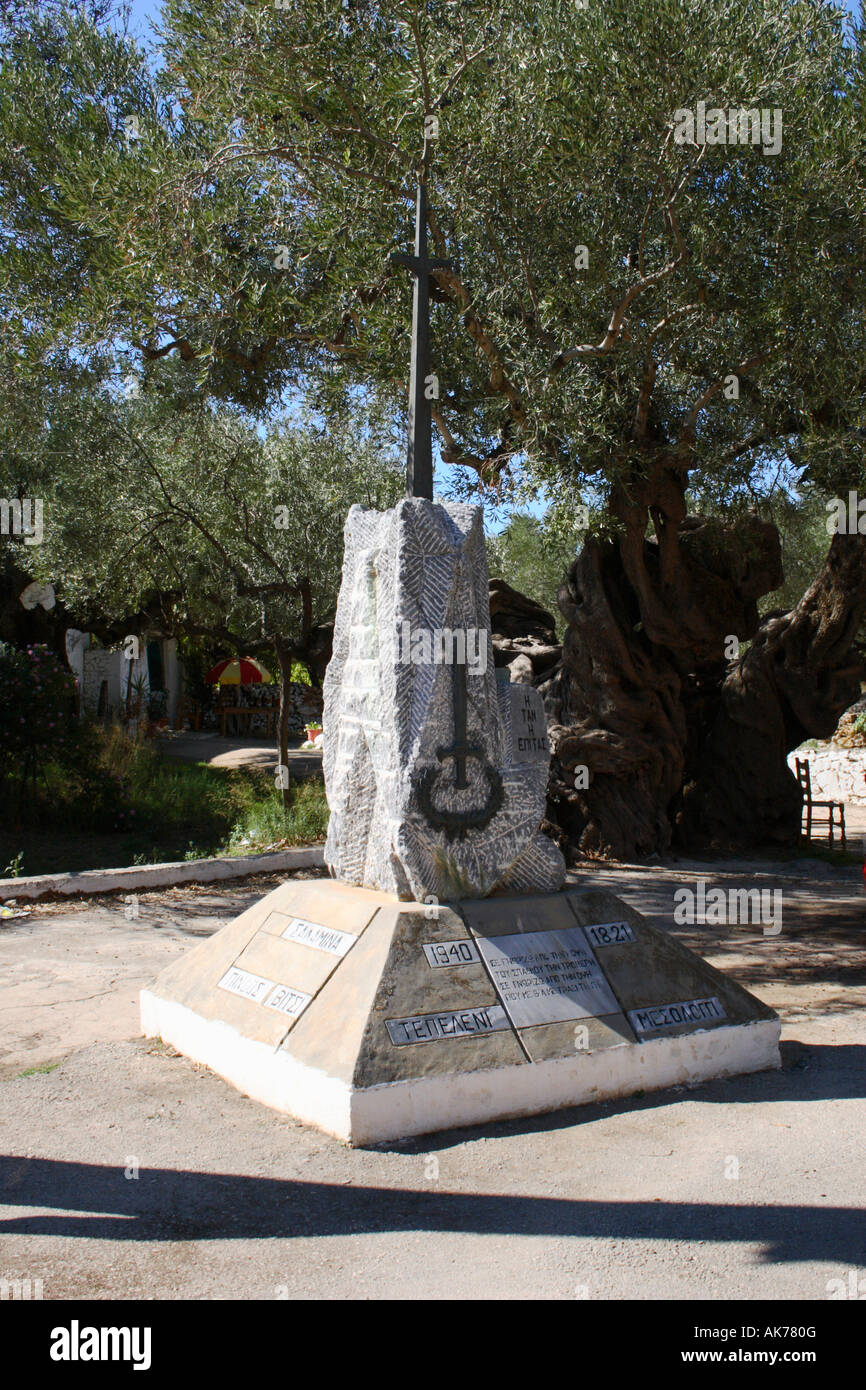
(452, 821)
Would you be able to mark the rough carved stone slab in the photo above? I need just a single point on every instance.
(416, 572)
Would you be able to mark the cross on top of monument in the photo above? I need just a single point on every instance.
(419, 454)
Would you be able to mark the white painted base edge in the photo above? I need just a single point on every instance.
(92, 881)
(401, 1109)
(261, 1072)
(446, 1102)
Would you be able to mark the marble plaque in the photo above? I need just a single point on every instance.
(329, 939)
(457, 1023)
(452, 953)
(528, 726)
(288, 1001)
(547, 976)
(609, 933)
(249, 986)
(660, 1016)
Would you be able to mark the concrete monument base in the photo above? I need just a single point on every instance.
(376, 1019)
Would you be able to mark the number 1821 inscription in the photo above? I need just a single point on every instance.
(609, 933)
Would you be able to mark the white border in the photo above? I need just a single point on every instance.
(404, 1108)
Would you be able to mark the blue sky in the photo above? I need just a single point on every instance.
(142, 11)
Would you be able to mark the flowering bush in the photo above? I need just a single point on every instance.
(37, 709)
(54, 767)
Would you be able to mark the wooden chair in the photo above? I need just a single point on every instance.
(824, 808)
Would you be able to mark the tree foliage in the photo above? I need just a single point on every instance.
(531, 554)
(249, 228)
(187, 515)
(629, 315)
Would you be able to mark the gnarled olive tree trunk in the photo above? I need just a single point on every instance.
(797, 677)
(284, 661)
(657, 734)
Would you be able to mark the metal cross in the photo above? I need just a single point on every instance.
(419, 455)
(460, 750)
(453, 820)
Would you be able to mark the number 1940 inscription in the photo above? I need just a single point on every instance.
(452, 953)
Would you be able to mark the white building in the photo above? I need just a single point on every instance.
(112, 678)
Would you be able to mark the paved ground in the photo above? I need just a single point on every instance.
(750, 1188)
(234, 751)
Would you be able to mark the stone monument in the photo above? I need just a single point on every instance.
(443, 976)
(436, 771)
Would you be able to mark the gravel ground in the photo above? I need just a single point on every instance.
(747, 1188)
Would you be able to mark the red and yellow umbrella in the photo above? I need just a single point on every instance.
(239, 670)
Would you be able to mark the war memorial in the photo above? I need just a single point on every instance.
(446, 973)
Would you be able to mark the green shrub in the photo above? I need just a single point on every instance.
(110, 798)
(268, 824)
(37, 709)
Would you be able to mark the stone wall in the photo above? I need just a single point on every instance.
(93, 665)
(100, 665)
(847, 735)
(837, 774)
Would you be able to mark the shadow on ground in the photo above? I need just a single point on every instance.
(93, 1201)
(168, 1204)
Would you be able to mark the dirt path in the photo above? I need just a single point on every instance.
(752, 1187)
(234, 751)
